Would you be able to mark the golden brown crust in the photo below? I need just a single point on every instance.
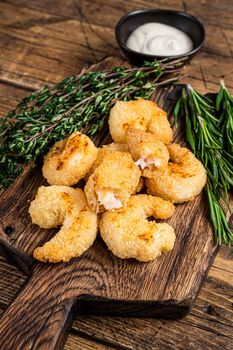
(141, 114)
(116, 174)
(69, 160)
(181, 180)
(60, 205)
(145, 147)
(128, 234)
(103, 151)
(160, 126)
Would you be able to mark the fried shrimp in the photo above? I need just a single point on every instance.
(140, 186)
(69, 160)
(146, 150)
(181, 180)
(67, 207)
(112, 182)
(105, 150)
(120, 147)
(160, 126)
(140, 114)
(128, 233)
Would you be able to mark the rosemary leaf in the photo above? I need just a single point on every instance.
(210, 136)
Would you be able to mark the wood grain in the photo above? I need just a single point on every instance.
(52, 45)
(28, 59)
(208, 326)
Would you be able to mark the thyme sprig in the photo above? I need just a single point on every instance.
(80, 102)
(205, 137)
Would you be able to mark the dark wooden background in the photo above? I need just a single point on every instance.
(41, 42)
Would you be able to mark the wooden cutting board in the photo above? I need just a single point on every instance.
(98, 282)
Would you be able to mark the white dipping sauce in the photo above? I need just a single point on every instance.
(159, 39)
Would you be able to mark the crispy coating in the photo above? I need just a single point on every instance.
(128, 233)
(53, 203)
(160, 126)
(120, 147)
(112, 182)
(140, 185)
(60, 205)
(69, 160)
(146, 150)
(128, 114)
(140, 114)
(181, 180)
(103, 151)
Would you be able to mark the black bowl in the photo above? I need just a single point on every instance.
(181, 20)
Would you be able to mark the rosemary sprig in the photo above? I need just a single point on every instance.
(224, 107)
(80, 102)
(205, 137)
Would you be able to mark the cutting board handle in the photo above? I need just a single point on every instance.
(41, 313)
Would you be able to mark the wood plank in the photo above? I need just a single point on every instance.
(35, 65)
(49, 43)
(205, 9)
(224, 262)
(11, 279)
(211, 318)
(10, 97)
(74, 342)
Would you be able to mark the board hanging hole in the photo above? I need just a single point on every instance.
(8, 230)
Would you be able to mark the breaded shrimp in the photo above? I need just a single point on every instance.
(128, 233)
(120, 147)
(140, 114)
(112, 182)
(146, 150)
(69, 160)
(60, 205)
(181, 180)
(103, 151)
(52, 204)
(140, 186)
(160, 126)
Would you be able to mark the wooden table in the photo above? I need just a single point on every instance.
(43, 41)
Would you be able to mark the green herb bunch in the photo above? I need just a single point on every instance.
(206, 127)
(80, 102)
(224, 107)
